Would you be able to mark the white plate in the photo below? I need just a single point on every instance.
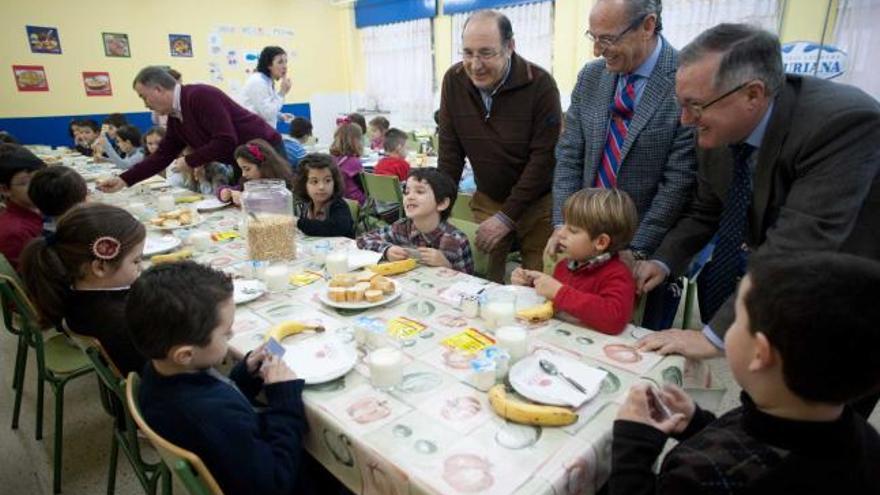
(320, 359)
(196, 221)
(247, 290)
(210, 204)
(155, 244)
(322, 295)
(533, 383)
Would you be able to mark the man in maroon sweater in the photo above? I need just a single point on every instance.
(502, 113)
(201, 117)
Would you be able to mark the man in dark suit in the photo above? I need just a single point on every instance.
(655, 162)
(787, 164)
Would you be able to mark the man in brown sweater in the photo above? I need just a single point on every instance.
(502, 113)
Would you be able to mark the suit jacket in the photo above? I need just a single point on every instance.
(815, 185)
(658, 158)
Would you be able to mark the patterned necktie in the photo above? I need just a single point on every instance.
(621, 113)
(719, 277)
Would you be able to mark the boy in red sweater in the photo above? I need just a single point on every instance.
(591, 283)
(394, 162)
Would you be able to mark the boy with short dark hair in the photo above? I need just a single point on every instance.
(424, 233)
(180, 317)
(20, 221)
(128, 143)
(378, 129)
(294, 145)
(803, 344)
(85, 132)
(394, 162)
(54, 190)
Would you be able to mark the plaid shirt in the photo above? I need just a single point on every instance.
(452, 242)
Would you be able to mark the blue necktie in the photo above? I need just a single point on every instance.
(719, 277)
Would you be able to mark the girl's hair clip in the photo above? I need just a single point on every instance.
(342, 120)
(255, 150)
(106, 248)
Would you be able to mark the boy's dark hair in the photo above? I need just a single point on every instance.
(819, 311)
(7, 138)
(356, 118)
(267, 56)
(129, 133)
(380, 123)
(300, 127)
(54, 190)
(394, 138)
(91, 124)
(116, 120)
(15, 158)
(441, 184)
(175, 304)
(317, 161)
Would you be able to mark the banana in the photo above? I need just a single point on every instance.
(192, 198)
(526, 413)
(172, 257)
(291, 327)
(537, 314)
(393, 267)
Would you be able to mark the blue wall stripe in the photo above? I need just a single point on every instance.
(53, 130)
(459, 6)
(377, 12)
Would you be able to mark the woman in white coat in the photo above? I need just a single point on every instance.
(259, 95)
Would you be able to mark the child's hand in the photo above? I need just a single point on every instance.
(677, 401)
(545, 285)
(255, 359)
(520, 277)
(275, 370)
(638, 408)
(236, 197)
(433, 257)
(396, 253)
(226, 194)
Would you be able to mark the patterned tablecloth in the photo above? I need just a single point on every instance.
(434, 433)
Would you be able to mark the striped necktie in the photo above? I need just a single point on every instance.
(719, 277)
(621, 113)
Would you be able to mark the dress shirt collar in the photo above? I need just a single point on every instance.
(176, 111)
(757, 136)
(648, 65)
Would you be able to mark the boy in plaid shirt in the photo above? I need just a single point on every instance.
(424, 233)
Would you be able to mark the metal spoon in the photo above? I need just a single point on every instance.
(551, 369)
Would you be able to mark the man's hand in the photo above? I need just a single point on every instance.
(396, 253)
(689, 343)
(648, 274)
(111, 185)
(433, 257)
(490, 232)
(545, 285)
(552, 248)
(639, 408)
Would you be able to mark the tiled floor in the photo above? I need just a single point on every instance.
(26, 464)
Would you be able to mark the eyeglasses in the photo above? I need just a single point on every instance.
(697, 109)
(482, 55)
(607, 40)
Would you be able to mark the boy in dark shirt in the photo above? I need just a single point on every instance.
(794, 432)
(180, 316)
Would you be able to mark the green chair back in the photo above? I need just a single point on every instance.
(384, 188)
(186, 466)
(462, 208)
(481, 260)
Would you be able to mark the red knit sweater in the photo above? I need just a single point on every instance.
(601, 297)
(393, 165)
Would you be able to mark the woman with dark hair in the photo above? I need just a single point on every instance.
(258, 94)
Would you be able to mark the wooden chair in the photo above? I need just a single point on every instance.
(481, 260)
(111, 385)
(382, 189)
(58, 362)
(187, 467)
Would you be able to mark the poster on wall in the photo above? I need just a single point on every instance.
(43, 39)
(30, 77)
(181, 45)
(97, 83)
(116, 45)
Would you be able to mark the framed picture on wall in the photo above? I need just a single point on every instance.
(97, 83)
(43, 39)
(181, 45)
(30, 77)
(116, 45)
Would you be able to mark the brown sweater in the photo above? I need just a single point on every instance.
(511, 147)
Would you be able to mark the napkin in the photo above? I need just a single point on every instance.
(532, 382)
(359, 258)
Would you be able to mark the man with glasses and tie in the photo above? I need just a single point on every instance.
(502, 113)
(786, 164)
(623, 131)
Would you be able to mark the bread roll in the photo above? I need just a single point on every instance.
(382, 283)
(336, 294)
(374, 295)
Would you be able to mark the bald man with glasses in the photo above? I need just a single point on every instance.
(623, 128)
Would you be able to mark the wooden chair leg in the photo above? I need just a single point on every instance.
(59, 437)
